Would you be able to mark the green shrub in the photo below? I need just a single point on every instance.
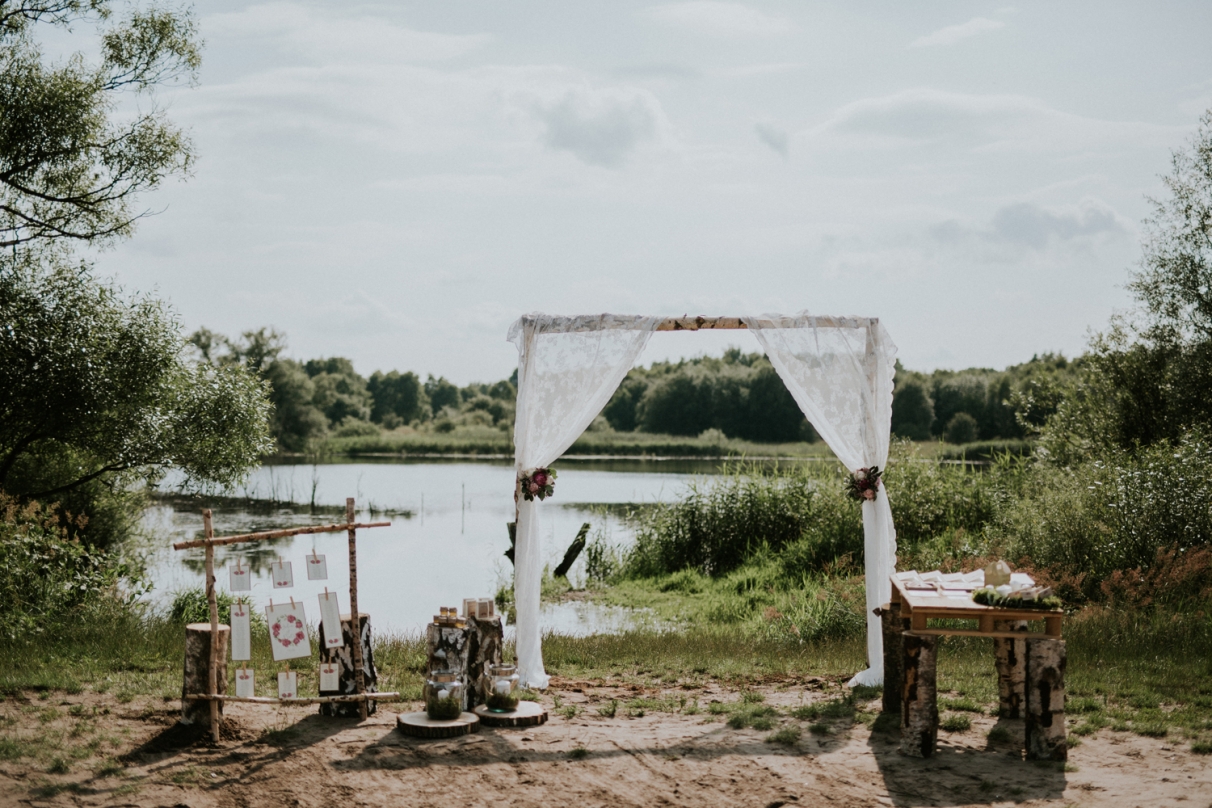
(190, 606)
(956, 722)
(787, 736)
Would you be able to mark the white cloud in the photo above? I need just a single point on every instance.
(954, 33)
(322, 35)
(773, 137)
(720, 19)
(601, 127)
(1029, 224)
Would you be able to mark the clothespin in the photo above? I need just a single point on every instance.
(292, 602)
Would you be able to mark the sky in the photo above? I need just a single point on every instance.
(397, 182)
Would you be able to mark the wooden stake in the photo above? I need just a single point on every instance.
(355, 615)
(212, 675)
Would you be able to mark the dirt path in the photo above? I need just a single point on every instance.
(292, 757)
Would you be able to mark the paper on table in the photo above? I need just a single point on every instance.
(330, 618)
(241, 639)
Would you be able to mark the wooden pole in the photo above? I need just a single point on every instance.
(390, 696)
(275, 534)
(212, 674)
(355, 616)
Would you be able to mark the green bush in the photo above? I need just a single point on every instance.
(46, 578)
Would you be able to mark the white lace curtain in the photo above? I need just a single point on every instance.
(568, 368)
(839, 370)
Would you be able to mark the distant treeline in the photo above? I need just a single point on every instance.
(738, 395)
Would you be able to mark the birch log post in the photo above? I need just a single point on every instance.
(212, 603)
(198, 677)
(449, 649)
(487, 637)
(343, 656)
(364, 707)
(1045, 724)
(919, 696)
(1011, 657)
(894, 627)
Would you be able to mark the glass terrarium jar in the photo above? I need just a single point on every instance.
(443, 696)
(501, 688)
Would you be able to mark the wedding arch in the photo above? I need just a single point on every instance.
(839, 371)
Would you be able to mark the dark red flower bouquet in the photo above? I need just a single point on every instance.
(538, 483)
(864, 483)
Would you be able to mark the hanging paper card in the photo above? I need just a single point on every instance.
(287, 682)
(330, 618)
(330, 677)
(245, 683)
(287, 631)
(284, 576)
(317, 567)
(241, 640)
(240, 578)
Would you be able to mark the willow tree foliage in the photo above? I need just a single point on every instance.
(71, 164)
(98, 387)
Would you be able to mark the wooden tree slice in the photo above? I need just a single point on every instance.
(528, 714)
(420, 725)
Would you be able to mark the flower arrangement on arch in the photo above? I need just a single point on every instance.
(538, 483)
(863, 484)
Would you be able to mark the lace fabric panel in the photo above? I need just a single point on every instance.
(841, 377)
(568, 368)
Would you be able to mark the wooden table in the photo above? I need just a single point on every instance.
(1030, 664)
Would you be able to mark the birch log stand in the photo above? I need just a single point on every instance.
(1045, 724)
(342, 656)
(449, 649)
(420, 725)
(197, 675)
(1011, 658)
(486, 636)
(527, 714)
(919, 695)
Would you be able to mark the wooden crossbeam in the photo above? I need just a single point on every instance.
(364, 697)
(700, 323)
(276, 534)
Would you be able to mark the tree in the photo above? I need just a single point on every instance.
(441, 394)
(340, 392)
(912, 409)
(71, 167)
(397, 394)
(98, 387)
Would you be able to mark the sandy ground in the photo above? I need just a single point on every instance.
(293, 757)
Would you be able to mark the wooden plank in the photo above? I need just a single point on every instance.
(274, 534)
(701, 323)
(212, 673)
(359, 674)
(964, 632)
(392, 696)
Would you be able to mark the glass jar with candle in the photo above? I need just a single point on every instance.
(443, 696)
(501, 688)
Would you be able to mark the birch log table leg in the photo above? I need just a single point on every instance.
(486, 638)
(344, 658)
(894, 627)
(196, 677)
(1011, 657)
(919, 696)
(449, 649)
(1045, 724)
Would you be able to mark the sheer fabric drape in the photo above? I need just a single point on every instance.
(841, 376)
(568, 368)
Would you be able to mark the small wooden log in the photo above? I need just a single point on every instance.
(570, 555)
(364, 708)
(1045, 724)
(487, 638)
(1011, 656)
(197, 675)
(449, 649)
(528, 714)
(919, 697)
(212, 685)
(894, 627)
(275, 534)
(344, 658)
(420, 725)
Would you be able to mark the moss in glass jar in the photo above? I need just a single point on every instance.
(446, 709)
(502, 703)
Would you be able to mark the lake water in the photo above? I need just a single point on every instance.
(445, 543)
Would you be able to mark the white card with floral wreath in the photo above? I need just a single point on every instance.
(330, 677)
(288, 685)
(239, 578)
(330, 618)
(284, 576)
(241, 637)
(288, 631)
(246, 682)
(317, 567)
